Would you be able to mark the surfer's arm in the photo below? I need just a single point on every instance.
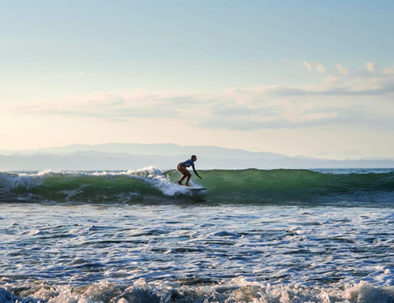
(195, 171)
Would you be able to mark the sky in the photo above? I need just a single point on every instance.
(312, 78)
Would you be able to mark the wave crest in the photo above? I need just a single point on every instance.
(224, 186)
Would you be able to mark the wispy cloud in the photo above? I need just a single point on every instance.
(342, 70)
(314, 66)
(370, 66)
(388, 70)
(116, 107)
(346, 99)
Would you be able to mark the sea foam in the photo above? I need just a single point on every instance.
(237, 290)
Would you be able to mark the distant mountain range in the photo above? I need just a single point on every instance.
(117, 156)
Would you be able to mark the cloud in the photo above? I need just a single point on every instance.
(314, 66)
(388, 70)
(370, 66)
(361, 84)
(116, 107)
(347, 100)
(316, 116)
(342, 70)
(320, 68)
(354, 100)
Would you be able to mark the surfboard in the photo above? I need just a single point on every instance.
(192, 187)
(197, 188)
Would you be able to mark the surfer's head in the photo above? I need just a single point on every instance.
(194, 158)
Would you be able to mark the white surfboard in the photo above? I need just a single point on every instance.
(192, 187)
(196, 188)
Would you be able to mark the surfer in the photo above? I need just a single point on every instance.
(186, 174)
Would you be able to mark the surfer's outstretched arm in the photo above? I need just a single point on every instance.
(194, 169)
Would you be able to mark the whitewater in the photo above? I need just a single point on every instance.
(253, 236)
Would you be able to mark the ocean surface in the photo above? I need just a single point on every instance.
(253, 236)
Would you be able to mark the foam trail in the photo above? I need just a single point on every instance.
(156, 178)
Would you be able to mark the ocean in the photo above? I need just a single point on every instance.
(253, 236)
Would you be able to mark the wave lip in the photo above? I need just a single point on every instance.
(224, 186)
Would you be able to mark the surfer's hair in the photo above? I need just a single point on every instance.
(193, 156)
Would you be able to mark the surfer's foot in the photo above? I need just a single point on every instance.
(187, 184)
(179, 182)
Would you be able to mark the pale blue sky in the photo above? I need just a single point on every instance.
(238, 65)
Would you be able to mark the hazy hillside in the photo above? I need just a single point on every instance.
(164, 156)
(149, 150)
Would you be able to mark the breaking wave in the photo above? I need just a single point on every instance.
(223, 186)
(237, 290)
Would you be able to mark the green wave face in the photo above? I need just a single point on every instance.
(88, 188)
(223, 186)
(283, 185)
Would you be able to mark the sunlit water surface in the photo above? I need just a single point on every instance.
(205, 252)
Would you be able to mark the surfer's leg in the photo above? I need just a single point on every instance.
(184, 173)
(183, 178)
(188, 178)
